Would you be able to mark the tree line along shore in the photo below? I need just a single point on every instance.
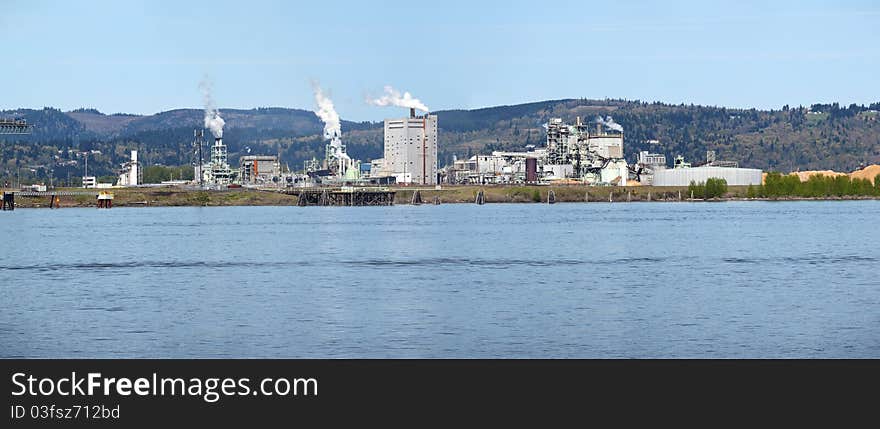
(775, 188)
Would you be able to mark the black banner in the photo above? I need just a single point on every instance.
(127, 393)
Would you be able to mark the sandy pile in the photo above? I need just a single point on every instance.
(805, 175)
(868, 172)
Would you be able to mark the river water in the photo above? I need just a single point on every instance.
(597, 280)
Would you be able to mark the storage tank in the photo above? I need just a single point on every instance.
(531, 169)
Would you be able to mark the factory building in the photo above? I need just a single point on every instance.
(654, 161)
(218, 171)
(411, 149)
(591, 155)
(499, 167)
(577, 153)
(684, 176)
(259, 170)
(131, 174)
(648, 163)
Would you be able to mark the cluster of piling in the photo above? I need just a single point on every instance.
(344, 197)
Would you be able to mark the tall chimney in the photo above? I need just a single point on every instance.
(412, 112)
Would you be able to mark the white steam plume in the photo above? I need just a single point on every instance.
(327, 113)
(393, 97)
(608, 122)
(213, 121)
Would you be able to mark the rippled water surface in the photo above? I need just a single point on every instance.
(737, 279)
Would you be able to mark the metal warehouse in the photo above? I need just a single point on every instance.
(684, 176)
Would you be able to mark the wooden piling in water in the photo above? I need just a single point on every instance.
(8, 202)
(343, 196)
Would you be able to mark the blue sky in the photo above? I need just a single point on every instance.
(149, 56)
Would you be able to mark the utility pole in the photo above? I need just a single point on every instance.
(199, 135)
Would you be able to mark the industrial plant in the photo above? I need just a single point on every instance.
(589, 154)
(580, 152)
(586, 153)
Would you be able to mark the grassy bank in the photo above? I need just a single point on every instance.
(539, 194)
(171, 197)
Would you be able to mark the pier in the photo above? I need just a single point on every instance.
(104, 198)
(344, 196)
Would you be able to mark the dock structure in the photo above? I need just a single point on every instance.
(39, 194)
(344, 196)
(104, 198)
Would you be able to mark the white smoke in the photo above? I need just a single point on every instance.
(327, 113)
(393, 97)
(608, 122)
(332, 124)
(213, 121)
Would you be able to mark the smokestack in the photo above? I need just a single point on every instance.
(412, 112)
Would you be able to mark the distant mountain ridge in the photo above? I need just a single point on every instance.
(822, 136)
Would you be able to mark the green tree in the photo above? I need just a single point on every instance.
(697, 190)
(752, 192)
(715, 187)
(107, 179)
(161, 173)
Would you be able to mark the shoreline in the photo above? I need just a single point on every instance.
(458, 194)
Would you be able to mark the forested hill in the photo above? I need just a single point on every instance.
(816, 137)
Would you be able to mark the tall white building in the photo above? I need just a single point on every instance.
(411, 149)
(130, 174)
